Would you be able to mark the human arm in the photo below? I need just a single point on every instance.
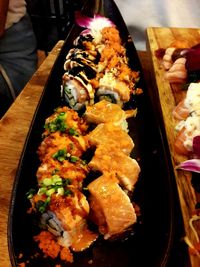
(3, 15)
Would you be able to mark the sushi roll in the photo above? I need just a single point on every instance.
(64, 211)
(84, 60)
(65, 120)
(77, 171)
(81, 68)
(113, 90)
(107, 112)
(61, 147)
(97, 67)
(110, 135)
(106, 159)
(111, 208)
(77, 90)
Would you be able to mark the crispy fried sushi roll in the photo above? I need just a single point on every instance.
(64, 213)
(111, 208)
(77, 171)
(65, 120)
(60, 146)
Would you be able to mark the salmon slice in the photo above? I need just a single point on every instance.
(108, 133)
(179, 146)
(104, 111)
(177, 73)
(109, 159)
(181, 112)
(167, 58)
(111, 208)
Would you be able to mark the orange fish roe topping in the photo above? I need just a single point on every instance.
(139, 91)
(48, 244)
(51, 248)
(66, 255)
(111, 34)
(114, 54)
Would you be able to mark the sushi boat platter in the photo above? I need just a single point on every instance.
(174, 54)
(95, 184)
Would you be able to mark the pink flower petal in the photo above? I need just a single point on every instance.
(98, 22)
(85, 32)
(192, 165)
(82, 21)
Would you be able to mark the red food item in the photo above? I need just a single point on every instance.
(196, 145)
(193, 58)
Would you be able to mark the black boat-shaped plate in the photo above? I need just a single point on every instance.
(150, 243)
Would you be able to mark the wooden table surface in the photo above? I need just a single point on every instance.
(14, 127)
(169, 96)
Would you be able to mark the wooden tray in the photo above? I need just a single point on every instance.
(169, 95)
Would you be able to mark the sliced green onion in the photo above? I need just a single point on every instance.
(61, 191)
(66, 181)
(67, 192)
(50, 192)
(72, 131)
(57, 180)
(42, 191)
(58, 124)
(30, 193)
(47, 181)
(73, 159)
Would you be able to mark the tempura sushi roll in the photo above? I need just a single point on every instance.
(77, 171)
(62, 147)
(65, 120)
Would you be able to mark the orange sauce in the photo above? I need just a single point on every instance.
(84, 240)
